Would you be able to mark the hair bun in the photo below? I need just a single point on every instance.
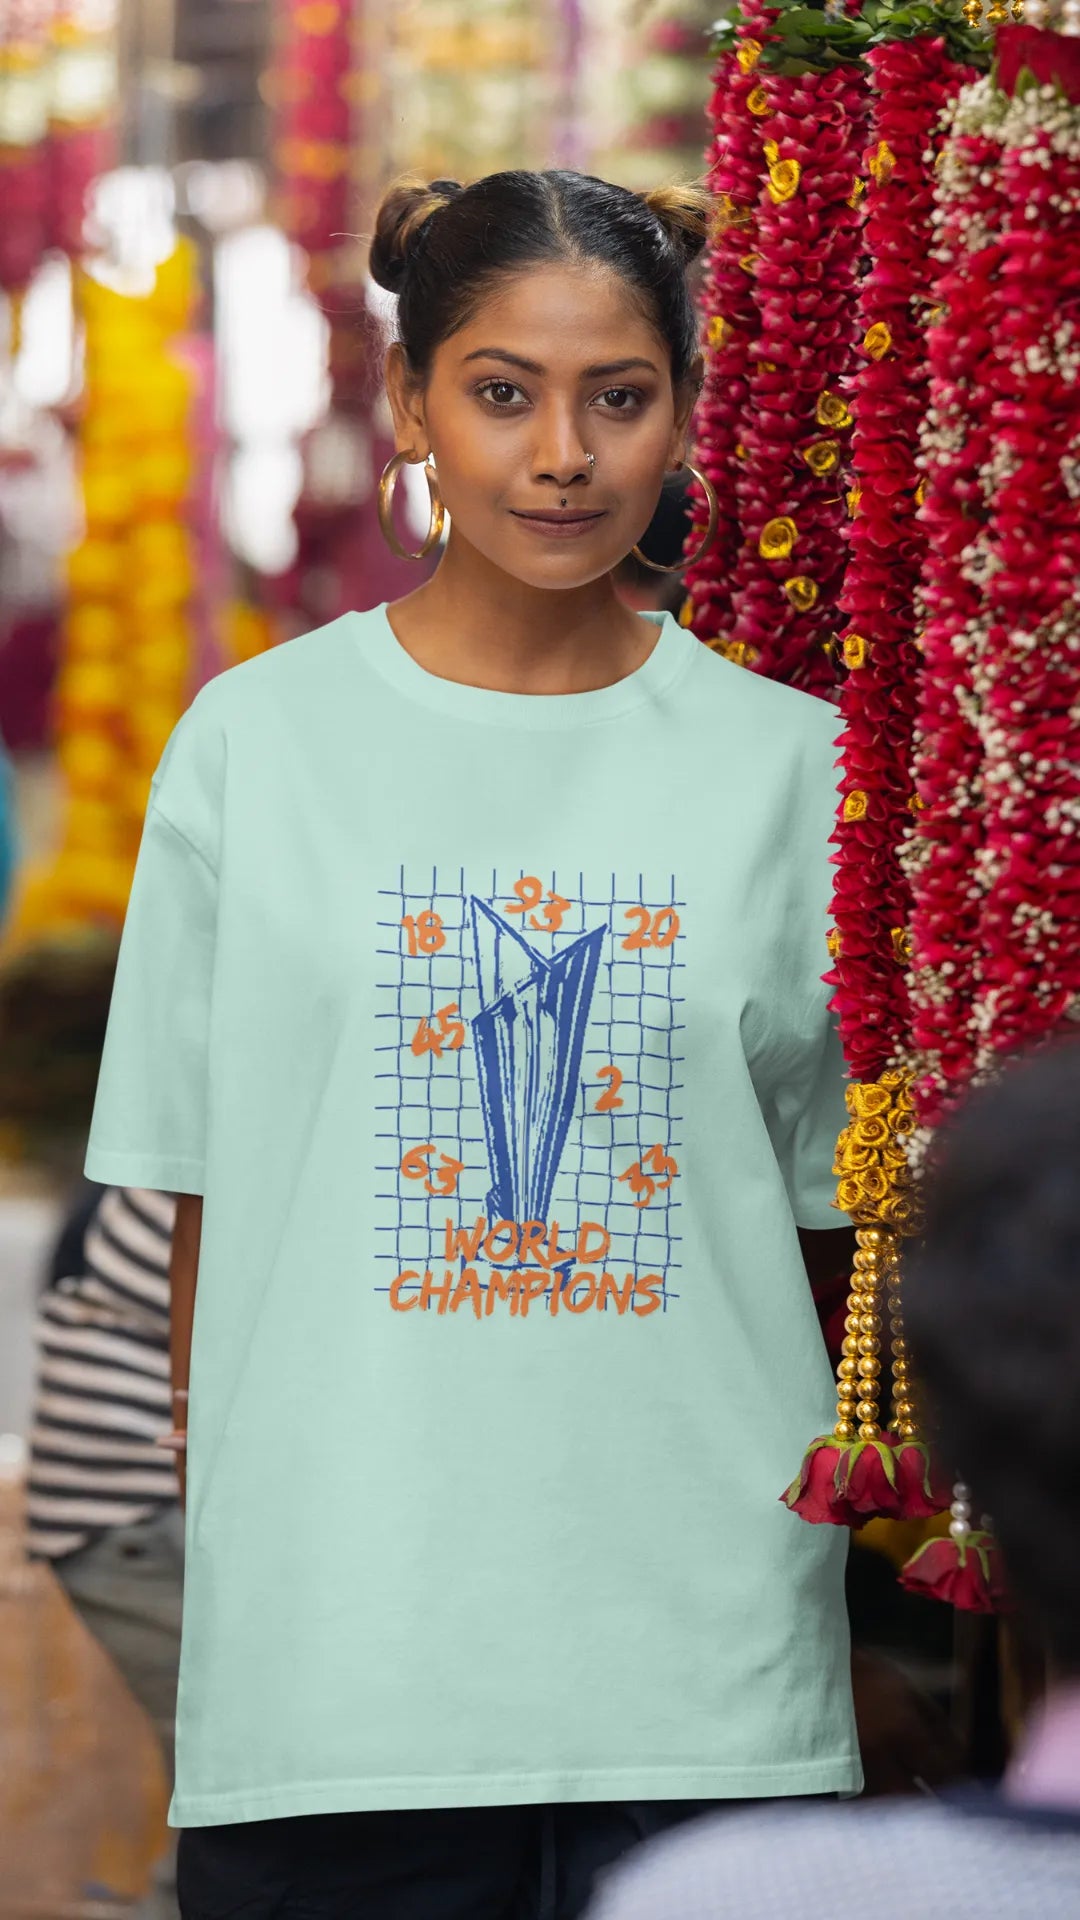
(403, 214)
(684, 214)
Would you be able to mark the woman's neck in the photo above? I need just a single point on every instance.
(481, 627)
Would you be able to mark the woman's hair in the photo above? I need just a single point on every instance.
(441, 247)
(992, 1306)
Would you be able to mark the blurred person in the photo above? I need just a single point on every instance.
(992, 1309)
(7, 829)
(102, 1495)
(496, 1191)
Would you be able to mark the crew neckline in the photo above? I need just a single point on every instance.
(675, 648)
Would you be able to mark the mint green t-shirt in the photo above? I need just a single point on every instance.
(491, 1028)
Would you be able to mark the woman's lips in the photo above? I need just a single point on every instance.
(559, 526)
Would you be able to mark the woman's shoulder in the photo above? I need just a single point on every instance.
(279, 673)
(248, 709)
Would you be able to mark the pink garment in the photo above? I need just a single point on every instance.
(1046, 1771)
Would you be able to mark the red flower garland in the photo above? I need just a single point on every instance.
(942, 860)
(790, 492)
(24, 80)
(1029, 687)
(912, 81)
(874, 1473)
(310, 86)
(83, 134)
(731, 318)
(996, 866)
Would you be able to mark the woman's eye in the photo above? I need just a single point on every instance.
(501, 393)
(621, 399)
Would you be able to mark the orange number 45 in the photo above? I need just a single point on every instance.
(448, 1031)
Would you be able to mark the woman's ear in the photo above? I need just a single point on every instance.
(686, 398)
(406, 404)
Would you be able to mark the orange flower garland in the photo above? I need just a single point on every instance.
(127, 650)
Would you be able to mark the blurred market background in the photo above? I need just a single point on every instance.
(191, 429)
(190, 432)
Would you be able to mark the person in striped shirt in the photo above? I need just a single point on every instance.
(103, 1501)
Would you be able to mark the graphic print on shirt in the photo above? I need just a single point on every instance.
(529, 1075)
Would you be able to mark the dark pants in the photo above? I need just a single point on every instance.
(452, 1863)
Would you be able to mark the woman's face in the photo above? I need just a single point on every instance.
(557, 364)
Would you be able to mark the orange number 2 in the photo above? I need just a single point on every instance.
(609, 1099)
(448, 1031)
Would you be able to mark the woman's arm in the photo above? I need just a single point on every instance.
(183, 1280)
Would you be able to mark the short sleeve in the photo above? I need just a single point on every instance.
(807, 1110)
(809, 1114)
(149, 1124)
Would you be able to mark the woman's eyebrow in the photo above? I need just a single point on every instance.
(604, 372)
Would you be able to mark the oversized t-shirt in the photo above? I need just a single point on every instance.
(491, 1027)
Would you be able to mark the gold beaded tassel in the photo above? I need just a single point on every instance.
(904, 1412)
(858, 1375)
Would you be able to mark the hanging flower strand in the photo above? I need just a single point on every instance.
(789, 488)
(912, 80)
(942, 858)
(874, 1462)
(731, 318)
(1030, 685)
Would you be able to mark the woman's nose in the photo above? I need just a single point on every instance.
(559, 457)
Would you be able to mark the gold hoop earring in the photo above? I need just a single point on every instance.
(713, 505)
(387, 482)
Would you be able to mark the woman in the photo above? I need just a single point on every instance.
(470, 999)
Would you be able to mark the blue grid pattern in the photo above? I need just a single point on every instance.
(636, 1024)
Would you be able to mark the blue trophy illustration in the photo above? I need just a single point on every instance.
(528, 1039)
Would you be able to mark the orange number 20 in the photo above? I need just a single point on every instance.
(653, 929)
